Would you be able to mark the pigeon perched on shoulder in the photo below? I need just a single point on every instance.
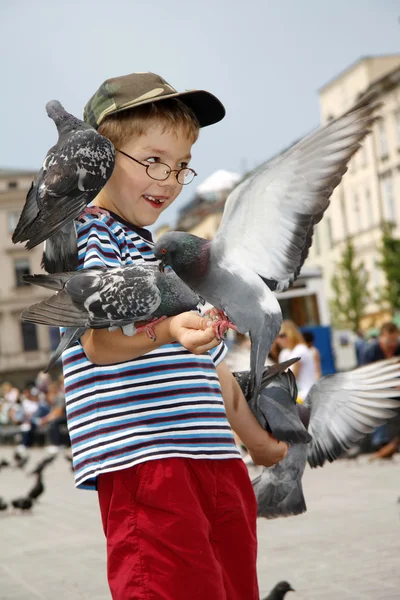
(266, 232)
(109, 298)
(279, 591)
(339, 410)
(73, 173)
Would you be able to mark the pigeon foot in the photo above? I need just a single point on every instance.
(221, 322)
(149, 328)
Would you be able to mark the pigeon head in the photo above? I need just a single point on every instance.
(62, 118)
(187, 254)
(282, 587)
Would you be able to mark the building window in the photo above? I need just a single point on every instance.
(329, 231)
(397, 120)
(54, 337)
(388, 199)
(12, 185)
(12, 220)
(357, 213)
(382, 139)
(21, 267)
(29, 337)
(368, 209)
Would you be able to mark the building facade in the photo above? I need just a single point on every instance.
(369, 193)
(24, 348)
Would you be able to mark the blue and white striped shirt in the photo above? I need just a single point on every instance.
(166, 403)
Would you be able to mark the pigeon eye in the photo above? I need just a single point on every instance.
(164, 251)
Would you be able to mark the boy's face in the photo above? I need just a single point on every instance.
(130, 190)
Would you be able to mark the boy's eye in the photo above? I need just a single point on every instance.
(152, 159)
(183, 165)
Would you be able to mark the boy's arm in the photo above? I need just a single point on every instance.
(103, 347)
(263, 448)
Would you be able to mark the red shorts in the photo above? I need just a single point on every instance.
(180, 529)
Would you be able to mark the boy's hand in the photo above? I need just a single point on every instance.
(194, 332)
(269, 453)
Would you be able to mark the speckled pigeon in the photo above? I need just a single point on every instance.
(73, 173)
(339, 411)
(266, 232)
(109, 298)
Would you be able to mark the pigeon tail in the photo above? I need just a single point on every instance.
(54, 281)
(70, 336)
(61, 251)
(261, 342)
(279, 497)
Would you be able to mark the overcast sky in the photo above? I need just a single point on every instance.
(264, 59)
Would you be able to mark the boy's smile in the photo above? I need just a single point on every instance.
(131, 192)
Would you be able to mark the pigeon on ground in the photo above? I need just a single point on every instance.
(266, 232)
(22, 503)
(279, 591)
(73, 173)
(20, 459)
(341, 410)
(42, 465)
(37, 489)
(3, 504)
(109, 298)
(4, 463)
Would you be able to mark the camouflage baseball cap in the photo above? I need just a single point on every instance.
(128, 91)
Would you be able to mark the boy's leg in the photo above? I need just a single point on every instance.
(234, 532)
(158, 518)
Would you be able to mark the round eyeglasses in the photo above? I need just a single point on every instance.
(161, 171)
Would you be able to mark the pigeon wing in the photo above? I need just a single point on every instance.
(269, 218)
(345, 407)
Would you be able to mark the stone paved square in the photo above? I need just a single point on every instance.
(346, 547)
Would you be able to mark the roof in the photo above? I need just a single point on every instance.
(7, 172)
(352, 66)
(218, 181)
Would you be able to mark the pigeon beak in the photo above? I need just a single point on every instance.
(291, 589)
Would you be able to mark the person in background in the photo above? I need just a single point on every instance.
(360, 346)
(309, 340)
(56, 417)
(292, 344)
(385, 439)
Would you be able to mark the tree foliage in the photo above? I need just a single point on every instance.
(390, 265)
(349, 285)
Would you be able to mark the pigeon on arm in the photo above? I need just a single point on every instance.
(266, 232)
(339, 411)
(109, 298)
(73, 173)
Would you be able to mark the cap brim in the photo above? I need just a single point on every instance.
(207, 108)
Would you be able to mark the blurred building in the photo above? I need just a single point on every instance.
(24, 347)
(369, 194)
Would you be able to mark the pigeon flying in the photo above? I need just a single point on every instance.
(109, 298)
(266, 232)
(73, 173)
(341, 410)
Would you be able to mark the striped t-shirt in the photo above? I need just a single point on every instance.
(166, 403)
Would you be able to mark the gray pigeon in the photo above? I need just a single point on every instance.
(266, 232)
(339, 410)
(109, 298)
(276, 407)
(279, 591)
(73, 173)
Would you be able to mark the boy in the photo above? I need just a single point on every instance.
(148, 420)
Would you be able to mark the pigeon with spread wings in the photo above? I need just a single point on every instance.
(73, 173)
(266, 231)
(339, 411)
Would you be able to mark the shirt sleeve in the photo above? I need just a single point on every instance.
(97, 245)
(218, 353)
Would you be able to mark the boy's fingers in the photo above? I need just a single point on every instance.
(203, 349)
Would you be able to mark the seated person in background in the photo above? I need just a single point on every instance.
(386, 346)
(309, 340)
(56, 417)
(292, 344)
